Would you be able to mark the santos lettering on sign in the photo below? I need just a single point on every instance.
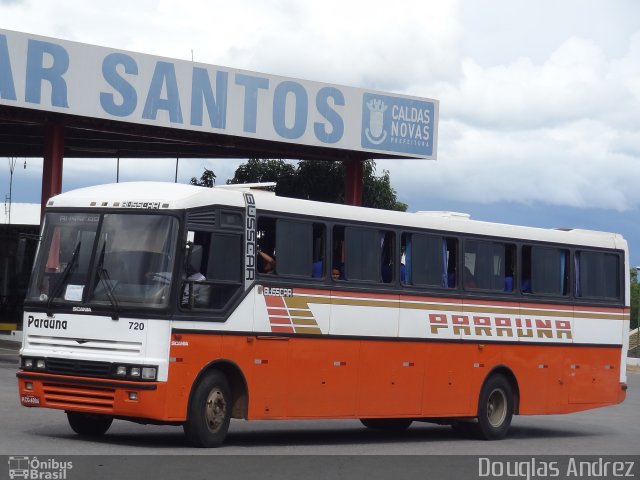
(60, 76)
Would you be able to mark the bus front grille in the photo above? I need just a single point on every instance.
(65, 366)
(71, 396)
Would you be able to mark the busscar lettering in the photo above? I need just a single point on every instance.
(277, 292)
(46, 323)
(250, 234)
(147, 205)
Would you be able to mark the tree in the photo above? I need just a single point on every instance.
(319, 180)
(207, 179)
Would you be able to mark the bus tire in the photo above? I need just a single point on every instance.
(89, 424)
(209, 411)
(387, 423)
(495, 408)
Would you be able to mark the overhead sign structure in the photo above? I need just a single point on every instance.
(79, 79)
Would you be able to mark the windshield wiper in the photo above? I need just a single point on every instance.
(66, 273)
(103, 274)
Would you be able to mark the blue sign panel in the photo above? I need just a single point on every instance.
(397, 124)
(96, 82)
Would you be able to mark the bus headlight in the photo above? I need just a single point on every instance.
(40, 364)
(134, 372)
(27, 362)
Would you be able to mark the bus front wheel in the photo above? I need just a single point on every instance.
(495, 408)
(89, 424)
(209, 411)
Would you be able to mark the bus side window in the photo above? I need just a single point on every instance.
(337, 253)
(545, 270)
(318, 266)
(428, 260)
(266, 259)
(387, 256)
(294, 244)
(363, 254)
(489, 265)
(597, 274)
(213, 274)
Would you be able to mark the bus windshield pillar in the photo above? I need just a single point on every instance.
(52, 165)
(353, 182)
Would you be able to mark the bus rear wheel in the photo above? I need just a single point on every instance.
(89, 424)
(386, 423)
(495, 408)
(209, 412)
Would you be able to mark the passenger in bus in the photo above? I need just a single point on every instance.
(193, 275)
(268, 262)
(335, 273)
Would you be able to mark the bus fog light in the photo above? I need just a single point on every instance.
(121, 370)
(133, 396)
(135, 371)
(28, 386)
(40, 364)
(149, 373)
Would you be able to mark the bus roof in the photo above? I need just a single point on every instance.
(172, 196)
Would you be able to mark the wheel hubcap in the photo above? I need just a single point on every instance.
(497, 407)
(215, 409)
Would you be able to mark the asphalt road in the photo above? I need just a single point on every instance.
(34, 431)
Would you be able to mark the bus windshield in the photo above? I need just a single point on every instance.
(110, 259)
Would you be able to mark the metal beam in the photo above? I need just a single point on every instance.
(52, 165)
(353, 182)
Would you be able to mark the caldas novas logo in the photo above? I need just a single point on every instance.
(398, 124)
(376, 133)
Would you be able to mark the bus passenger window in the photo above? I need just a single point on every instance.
(363, 254)
(337, 253)
(428, 260)
(317, 269)
(266, 246)
(545, 271)
(489, 265)
(597, 275)
(294, 243)
(387, 254)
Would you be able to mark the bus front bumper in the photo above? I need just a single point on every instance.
(137, 400)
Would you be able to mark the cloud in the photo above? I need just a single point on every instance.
(556, 125)
(577, 81)
(561, 132)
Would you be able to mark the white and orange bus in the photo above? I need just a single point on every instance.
(184, 305)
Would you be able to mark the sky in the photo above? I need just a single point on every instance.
(539, 101)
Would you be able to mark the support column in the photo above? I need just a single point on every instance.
(353, 182)
(52, 166)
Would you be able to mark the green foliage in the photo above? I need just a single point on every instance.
(635, 299)
(319, 180)
(207, 179)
